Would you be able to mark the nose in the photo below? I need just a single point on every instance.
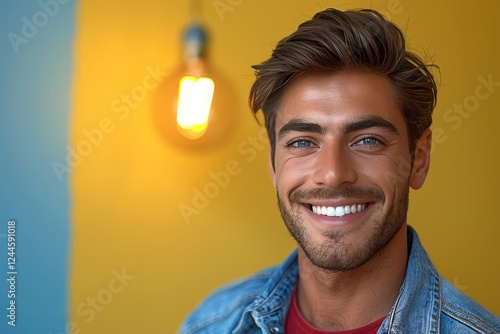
(334, 166)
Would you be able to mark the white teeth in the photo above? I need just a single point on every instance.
(330, 211)
(338, 211)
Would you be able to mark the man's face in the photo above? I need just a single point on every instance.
(342, 166)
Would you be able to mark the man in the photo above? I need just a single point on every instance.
(347, 109)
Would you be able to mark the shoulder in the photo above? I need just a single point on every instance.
(223, 308)
(459, 310)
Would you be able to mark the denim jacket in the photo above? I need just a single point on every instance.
(427, 303)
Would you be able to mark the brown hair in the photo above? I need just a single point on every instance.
(334, 40)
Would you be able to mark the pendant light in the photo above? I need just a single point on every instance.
(195, 104)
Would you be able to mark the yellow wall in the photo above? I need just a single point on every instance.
(129, 186)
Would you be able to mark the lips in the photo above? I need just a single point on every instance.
(338, 211)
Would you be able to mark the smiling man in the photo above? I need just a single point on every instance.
(347, 110)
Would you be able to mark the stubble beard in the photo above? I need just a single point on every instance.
(334, 253)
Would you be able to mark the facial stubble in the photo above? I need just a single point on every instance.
(334, 253)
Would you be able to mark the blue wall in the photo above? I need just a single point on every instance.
(36, 40)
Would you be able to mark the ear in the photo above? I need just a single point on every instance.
(422, 160)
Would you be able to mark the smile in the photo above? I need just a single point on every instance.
(338, 211)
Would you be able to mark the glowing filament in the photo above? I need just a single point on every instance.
(193, 108)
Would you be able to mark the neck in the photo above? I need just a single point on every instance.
(353, 299)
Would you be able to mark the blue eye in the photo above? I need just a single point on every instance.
(369, 141)
(301, 143)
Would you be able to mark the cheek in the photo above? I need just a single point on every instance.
(386, 172)
(292, 172)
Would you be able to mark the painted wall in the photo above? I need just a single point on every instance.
(129, 191)
(35, 80)
(156, 225)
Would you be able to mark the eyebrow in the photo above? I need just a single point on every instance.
(302, 125)
(370, 122)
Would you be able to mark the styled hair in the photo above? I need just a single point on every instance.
(355, 39)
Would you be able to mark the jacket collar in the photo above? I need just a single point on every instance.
(274, 300)
(419, 302)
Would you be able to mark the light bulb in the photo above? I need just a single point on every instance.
(193, 105)
(196, 90)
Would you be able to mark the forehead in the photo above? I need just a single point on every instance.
(339, 97)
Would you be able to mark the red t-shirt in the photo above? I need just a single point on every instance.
(296, 324)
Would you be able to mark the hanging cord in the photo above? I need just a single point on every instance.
(195, 36)
(195, 9)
